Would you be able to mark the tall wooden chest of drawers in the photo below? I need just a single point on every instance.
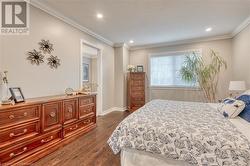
(37, 127)
(136, 90)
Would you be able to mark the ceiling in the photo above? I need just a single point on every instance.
(154, 21)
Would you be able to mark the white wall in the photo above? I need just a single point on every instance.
(224, 47)
(125, 65)
(241, 56)
(40, 80)
(119, 95)
(121, 63)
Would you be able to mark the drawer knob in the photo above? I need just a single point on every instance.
(47, 140)
(73, 128)
(87, 110)
(52, 114)
(19, 153)
(87, 121)
(19, 134)
(13, 116)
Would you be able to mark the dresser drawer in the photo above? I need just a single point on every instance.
(20, 115)
(134, 108)
(138, 83)
(51, 116)
(20, 133)
(86, 110)
(70, 128)
(74, 127)
(137, 94)
(137, 88)
(70, 111)
(19, 151)
(137, 76)
(138, 103)
(138, 98)
(88, 121)
(86, 100)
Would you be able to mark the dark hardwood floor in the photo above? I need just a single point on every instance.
(90, 149)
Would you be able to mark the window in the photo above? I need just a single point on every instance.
(165, 70)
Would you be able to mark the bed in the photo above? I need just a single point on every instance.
(173, 133)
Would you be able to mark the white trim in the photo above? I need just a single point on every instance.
(186, 88)
(174, 43)
(99, 72)
(106, 112)
(171, 53)
(120, 109)
(241, 27)
(67, 20)
(113, 109)
(237, 30)
(121, 45)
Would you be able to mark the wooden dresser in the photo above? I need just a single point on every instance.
(136, 90)
(31, 130)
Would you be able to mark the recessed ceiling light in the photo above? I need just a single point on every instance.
(209, 29)
(131, 41)
(99, 15)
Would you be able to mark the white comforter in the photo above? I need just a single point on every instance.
(192, 132)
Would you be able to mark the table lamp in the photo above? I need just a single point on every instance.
(236, 87)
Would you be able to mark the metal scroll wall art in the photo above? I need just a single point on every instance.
(45, 49)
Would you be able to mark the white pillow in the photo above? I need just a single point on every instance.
(231, 107)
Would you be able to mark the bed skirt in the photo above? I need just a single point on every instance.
(130, 157)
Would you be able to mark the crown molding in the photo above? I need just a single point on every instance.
(241, 27)
(126, 46)
(67, 20)
(188, 41)
(117, 45)
(236, 31)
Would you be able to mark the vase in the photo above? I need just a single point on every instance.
(5, 92)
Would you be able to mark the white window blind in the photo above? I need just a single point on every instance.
(165, 70)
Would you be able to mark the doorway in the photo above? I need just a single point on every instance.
(91, 70)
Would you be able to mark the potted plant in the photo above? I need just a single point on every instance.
(131, 68)
(206, 74)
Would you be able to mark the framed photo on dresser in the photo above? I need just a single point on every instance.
(17, 94)
(139, 68)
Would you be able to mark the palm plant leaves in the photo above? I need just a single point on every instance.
(195, 70)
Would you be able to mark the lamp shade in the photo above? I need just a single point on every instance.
(237, 86)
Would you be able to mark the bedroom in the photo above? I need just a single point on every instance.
(67, 70)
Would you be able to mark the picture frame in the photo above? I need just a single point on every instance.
(17, 94)
(139, 68)
(85, 72)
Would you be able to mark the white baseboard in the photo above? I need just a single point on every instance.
(112, 110)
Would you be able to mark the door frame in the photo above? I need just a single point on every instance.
(99, 72)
